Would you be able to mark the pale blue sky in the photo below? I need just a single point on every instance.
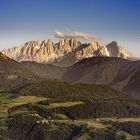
(25, 20)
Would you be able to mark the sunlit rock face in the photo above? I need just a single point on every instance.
(64, 53)
(115, 50)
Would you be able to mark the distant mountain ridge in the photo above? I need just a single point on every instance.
(119, 73)
(64, 53)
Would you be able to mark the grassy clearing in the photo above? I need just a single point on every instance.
(60, 116)
(7, 102)
(63, 104)
(121, 119)
(94, 124)
(27, 99)
(91, 123)
(88, 122)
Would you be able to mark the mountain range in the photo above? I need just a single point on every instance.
(73, 62)
(64, 53)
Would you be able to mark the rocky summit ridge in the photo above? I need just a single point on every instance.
(65, 52)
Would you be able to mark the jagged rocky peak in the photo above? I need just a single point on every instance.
(93, 43)
(69, 42)
(74, 43)
(65, 52)
(48, 42)
(32, 43)
(116, 50)
(113, 48)
(62, 43)
(96, 49)
(115, 43)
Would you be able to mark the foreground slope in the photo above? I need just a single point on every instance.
(69, 111)
(64, 111)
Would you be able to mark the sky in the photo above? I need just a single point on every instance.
(108, 20)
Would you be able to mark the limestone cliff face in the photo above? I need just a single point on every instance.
(64, 53)
(116, 51)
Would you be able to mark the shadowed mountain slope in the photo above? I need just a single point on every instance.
(117, 72)
(48, 71)
(13, 74)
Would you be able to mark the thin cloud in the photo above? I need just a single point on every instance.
(138, 37)
(75, 35)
